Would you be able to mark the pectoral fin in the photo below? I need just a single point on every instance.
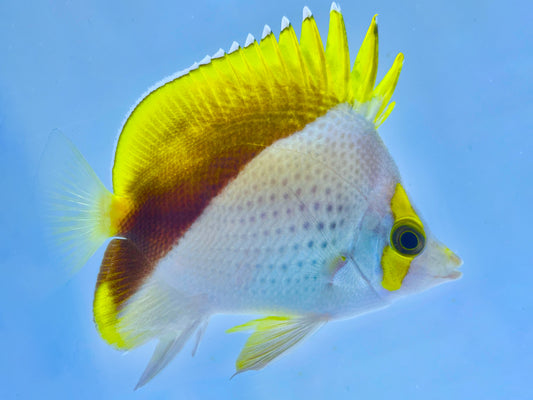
(271, 337)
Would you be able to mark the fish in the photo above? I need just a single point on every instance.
(255, 183)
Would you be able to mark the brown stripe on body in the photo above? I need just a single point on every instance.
(162, 219)
(163, 216)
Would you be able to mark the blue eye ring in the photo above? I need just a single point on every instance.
(407, 238)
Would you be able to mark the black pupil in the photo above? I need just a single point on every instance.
(409, 240)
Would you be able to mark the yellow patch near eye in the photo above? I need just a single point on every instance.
(395, 262)
(395, 267)
(401, 206)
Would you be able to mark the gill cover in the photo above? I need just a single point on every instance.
(407, 240)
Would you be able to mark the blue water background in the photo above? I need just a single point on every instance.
(462, 136)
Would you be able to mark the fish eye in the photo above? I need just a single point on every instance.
(407, 238)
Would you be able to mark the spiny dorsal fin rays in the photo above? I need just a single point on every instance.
(284, 23)
(258, 66)
(266, 31)
(209, 93)
(249, 40)
(337, 54)
(240, 63)
(313, 50)
(366, 65)
(229, 75)
(216, 91)
(290, 50)
(384, 90)
(379, 119)
(234, 47)
(271, 52)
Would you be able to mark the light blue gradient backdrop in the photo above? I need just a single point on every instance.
(461, 134)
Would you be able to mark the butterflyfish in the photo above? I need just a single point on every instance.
(255, 182)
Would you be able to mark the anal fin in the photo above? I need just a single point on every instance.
(271, 337)
(122, 272)
(133, 305)
(165, 351)
(158, 311)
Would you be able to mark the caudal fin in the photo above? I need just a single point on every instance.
(77, 206)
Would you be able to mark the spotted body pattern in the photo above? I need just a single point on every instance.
(274, 238)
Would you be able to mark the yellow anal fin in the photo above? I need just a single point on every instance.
(166, 350)
(122, 272)
(271, 337)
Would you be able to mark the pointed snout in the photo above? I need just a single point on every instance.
(447, 261)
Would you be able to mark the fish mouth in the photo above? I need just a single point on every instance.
(454, 275)
(449, 277)
(454, 262)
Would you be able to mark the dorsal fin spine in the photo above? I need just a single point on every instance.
(257, 66)
(313, 54)
(234, 47)
(270, 49)
(385, 88)
(338, 56)
(198, 93)
(363, 76)
(225, 74)
(284, 23)
(383, 116)
(290, 49)
(209, 74)
(268, 72)
(249, 40)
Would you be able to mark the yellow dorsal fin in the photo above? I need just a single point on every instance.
(366, 65)
(313, 53)
(290, 52)
(337, 56)
(241, 102)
